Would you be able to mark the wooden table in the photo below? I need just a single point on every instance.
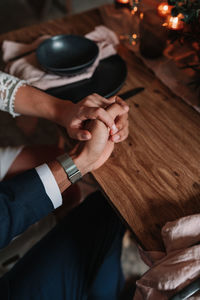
(154, 176)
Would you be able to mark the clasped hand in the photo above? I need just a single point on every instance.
(91, 154)
(93, 107)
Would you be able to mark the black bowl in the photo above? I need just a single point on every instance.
(66, 53)
(68, 73)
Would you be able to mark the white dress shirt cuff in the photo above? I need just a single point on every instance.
(50, 184)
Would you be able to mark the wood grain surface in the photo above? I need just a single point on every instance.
(154, 176)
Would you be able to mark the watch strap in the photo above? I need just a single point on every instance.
(70, 168)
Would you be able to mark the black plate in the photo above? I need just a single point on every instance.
(106, 81)
(67, 53)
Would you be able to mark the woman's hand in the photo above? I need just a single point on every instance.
(33, 102)
(92, 107)
(122, 124)
(121, 121)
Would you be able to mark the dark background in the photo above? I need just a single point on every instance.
(15, 14)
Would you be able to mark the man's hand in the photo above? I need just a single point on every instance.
(92, 154)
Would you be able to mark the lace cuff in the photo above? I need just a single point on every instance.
(8, 89)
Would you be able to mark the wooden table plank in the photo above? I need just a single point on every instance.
(154, 176)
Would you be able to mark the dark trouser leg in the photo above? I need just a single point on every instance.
(80, 257)
(109, 280)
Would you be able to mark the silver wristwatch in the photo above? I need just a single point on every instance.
(70, 168)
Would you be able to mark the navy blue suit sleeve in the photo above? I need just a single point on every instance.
(23, 201)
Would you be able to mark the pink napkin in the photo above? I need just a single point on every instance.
(172, 271)
(27, 67)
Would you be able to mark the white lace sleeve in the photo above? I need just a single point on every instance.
(8, 88)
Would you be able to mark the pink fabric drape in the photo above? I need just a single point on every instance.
(174, 269)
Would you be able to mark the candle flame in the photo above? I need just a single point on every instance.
(174, 22)
(123, 1)
(165, 7)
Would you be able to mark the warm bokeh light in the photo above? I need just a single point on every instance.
(123, 1)
(164, 9)
(134, 10)
(141, 15)
(174, 23)
(122, 4)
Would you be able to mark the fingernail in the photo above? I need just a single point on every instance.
(114, 129)
(116, 138)
(126, 107)
(85, 137)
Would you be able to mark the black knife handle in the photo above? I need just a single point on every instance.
(131, 93)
